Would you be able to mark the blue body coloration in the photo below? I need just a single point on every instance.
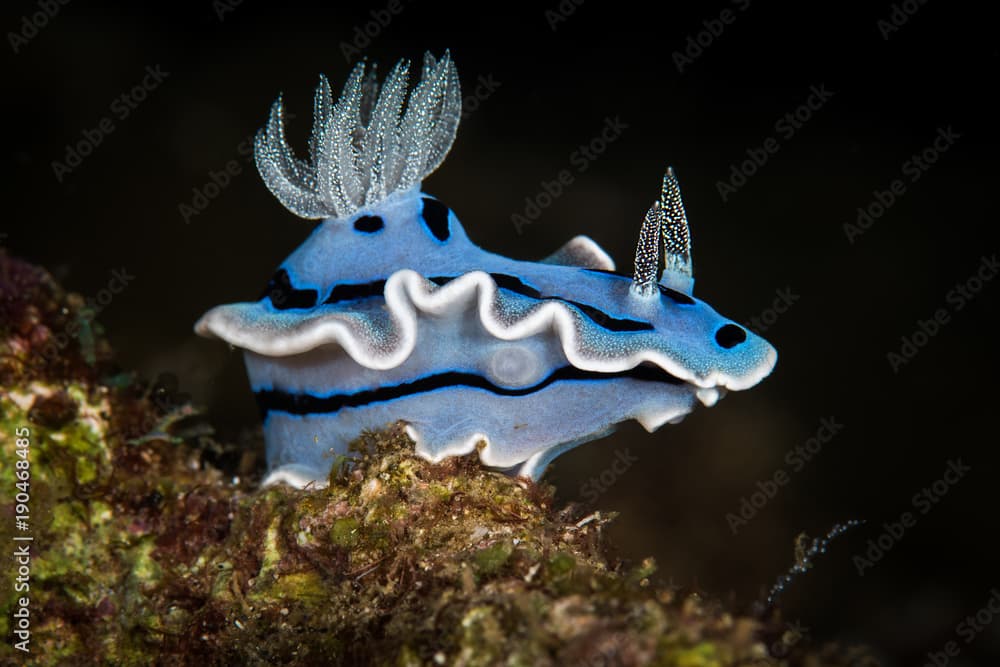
(389, 312)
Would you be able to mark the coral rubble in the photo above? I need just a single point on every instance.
(144, 551)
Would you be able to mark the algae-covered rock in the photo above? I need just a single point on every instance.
(142, 551)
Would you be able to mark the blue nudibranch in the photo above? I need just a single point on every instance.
(389, 312)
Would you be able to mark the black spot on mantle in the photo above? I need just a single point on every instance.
(355, 291)
(369, 224)
(607, 321)
(730, 335)
(435, 216)
(515, 284)
(352, 291)
(441, 280)
(284, 296)
(675, 296)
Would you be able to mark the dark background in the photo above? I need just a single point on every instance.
(782, 230)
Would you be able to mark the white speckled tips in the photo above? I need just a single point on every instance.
(364, 147)
(678, 273)
(665, 219)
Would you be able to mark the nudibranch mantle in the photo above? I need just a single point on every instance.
(389, 312)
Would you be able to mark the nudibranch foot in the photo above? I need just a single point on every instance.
(297, 476)
(461, 414)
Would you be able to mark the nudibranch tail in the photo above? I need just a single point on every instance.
(678, 273)
(364, 147)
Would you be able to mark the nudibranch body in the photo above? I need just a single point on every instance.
(389, 312)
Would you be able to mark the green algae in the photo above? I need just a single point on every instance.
(490, 560)
(144, 552)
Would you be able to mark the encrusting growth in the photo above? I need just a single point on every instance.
(147, 551)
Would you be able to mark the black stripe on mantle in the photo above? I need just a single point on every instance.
(276, 400)
(352, 291)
